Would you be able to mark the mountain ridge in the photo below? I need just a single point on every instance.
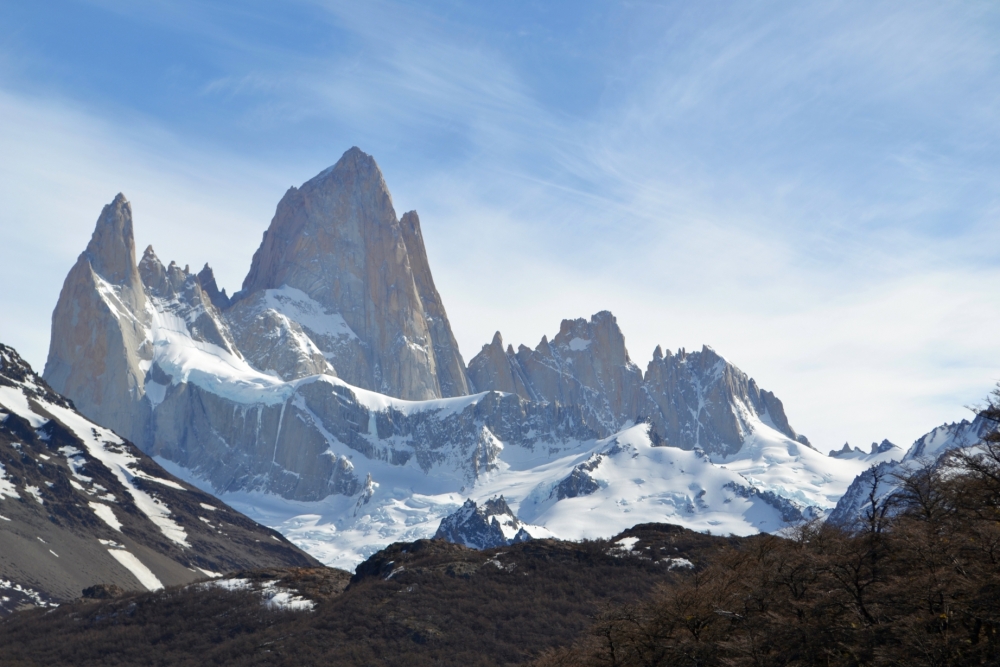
(298, 388)
(80, 507)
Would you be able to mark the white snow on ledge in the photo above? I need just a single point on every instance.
(307, 312)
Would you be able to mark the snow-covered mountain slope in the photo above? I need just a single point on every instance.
(80, 506)
(263, 398)
(926, 450)
(575, 489)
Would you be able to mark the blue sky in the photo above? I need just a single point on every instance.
(810, 188)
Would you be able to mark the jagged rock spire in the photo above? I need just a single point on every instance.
(111, 251)
(218, 297)
(337, 239)
(98, 327)
(692, 400)
(450, 367)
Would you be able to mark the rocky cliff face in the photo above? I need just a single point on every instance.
(450, 368)
(693, 400)
(299, 386)
(698, 400)
(487, 527)
(99, 341)
(586, 364)
(338, 241)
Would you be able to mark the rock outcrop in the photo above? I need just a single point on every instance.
(698, 400)
(693, 400)
(848, 452)
(448, 361)
(99, 341)
(338, 241)
(487, 527)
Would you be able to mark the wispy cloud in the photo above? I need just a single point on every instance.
(809, 188)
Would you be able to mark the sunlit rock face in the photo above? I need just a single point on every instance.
(700, 400)
(333, 378)
(99, 344)
(693, 400)
(337, 239)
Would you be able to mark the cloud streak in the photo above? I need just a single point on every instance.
(810, 189)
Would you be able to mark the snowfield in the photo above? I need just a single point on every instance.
(560, 486)
(635, 483)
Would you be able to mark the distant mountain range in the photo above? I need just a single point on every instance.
(328, 398)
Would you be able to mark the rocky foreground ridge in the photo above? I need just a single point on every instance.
(333, 377)
(427, 602)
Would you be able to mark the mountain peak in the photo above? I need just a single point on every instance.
(337, 240)
(111, 251)
(493, 524)
(354, 168)
(218, 297)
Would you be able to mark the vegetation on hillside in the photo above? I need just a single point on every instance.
(915, 583)
(424, 603)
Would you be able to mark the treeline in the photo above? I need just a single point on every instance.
(915, 582)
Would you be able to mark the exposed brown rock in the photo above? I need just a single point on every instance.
(450, 367)
(494, 368)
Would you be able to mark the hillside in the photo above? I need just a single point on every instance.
(423, 603)
(80, 507)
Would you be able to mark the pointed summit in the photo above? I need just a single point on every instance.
(218, 297)
(450, 367)
(337, 239)
(98, 326)
(111, 251)
(355, 171)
